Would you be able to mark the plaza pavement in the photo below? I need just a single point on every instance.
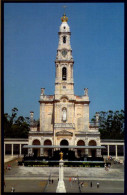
(35, 179)
(8, 158)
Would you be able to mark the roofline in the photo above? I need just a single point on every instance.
(58, 146)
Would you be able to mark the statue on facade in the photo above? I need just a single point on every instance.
(61, 155)
(97, 117)
(42, 91)
(86, 91)
(64, 116)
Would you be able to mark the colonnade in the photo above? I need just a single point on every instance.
(116, 151)
(12, 142)
(12, 149)
(116, 144)
(25, 142)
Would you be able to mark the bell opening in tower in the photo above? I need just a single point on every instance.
(64, 39)
(64, 73)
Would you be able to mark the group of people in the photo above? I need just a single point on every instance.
(74, 179)
(91, 184)
(107, 167)
(8, 167)
(82, 184)
(12, 189)
(51, 181)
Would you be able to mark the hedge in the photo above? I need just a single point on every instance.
(66, 164)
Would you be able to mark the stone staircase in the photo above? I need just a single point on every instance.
(51, 188)
(71, 187)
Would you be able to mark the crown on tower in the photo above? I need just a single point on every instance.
(64, 18)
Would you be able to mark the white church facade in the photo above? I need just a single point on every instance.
(64, 116)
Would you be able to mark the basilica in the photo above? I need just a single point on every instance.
(64, 116)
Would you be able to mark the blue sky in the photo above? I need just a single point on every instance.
(30, 45)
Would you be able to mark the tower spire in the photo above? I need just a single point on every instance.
(64, 18)
(64, 9)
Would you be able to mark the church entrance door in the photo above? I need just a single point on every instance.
(47, 151)
(64, 142)
(36, 151)
(81, 152)
(92, 152)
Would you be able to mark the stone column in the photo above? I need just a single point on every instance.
(42, 116)
(98, 152)
(116, 152)
(29, 150)
(86, 117)
(12, 149)
(4, 149)
(86, 151)
(20, 150)
(76, 152)
(61, 186)
(41, 151)
(108, 150)
(124, 151)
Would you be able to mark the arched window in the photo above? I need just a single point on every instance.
(64, 39)
(64, 73)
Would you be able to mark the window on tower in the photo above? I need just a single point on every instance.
(64, 73)
(64, 39)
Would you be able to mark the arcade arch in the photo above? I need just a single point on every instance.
(64, 142)
(47, 151)
(92, 152)
(36, 151)
(80, 152)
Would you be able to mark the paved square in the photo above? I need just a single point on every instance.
(35, 179)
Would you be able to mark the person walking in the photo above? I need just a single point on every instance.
(98, 184)
(82, 184)
(91, 184)
(12, 189)
(52, 181)
(70, 181)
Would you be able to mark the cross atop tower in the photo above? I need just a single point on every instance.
(64, 6)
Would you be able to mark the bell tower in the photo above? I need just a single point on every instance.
(64, 84)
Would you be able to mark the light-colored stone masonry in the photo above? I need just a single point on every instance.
(65, 116)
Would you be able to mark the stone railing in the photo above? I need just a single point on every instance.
(64, 125)
(46, 97)
(35, 132)
(82, 98)
(93, 125)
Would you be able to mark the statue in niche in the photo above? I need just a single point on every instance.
(64, 114)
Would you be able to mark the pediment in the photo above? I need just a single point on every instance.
(64, 132)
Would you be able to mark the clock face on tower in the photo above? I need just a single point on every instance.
(64, 52)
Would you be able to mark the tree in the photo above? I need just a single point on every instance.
(16, 127)
(111, 124)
